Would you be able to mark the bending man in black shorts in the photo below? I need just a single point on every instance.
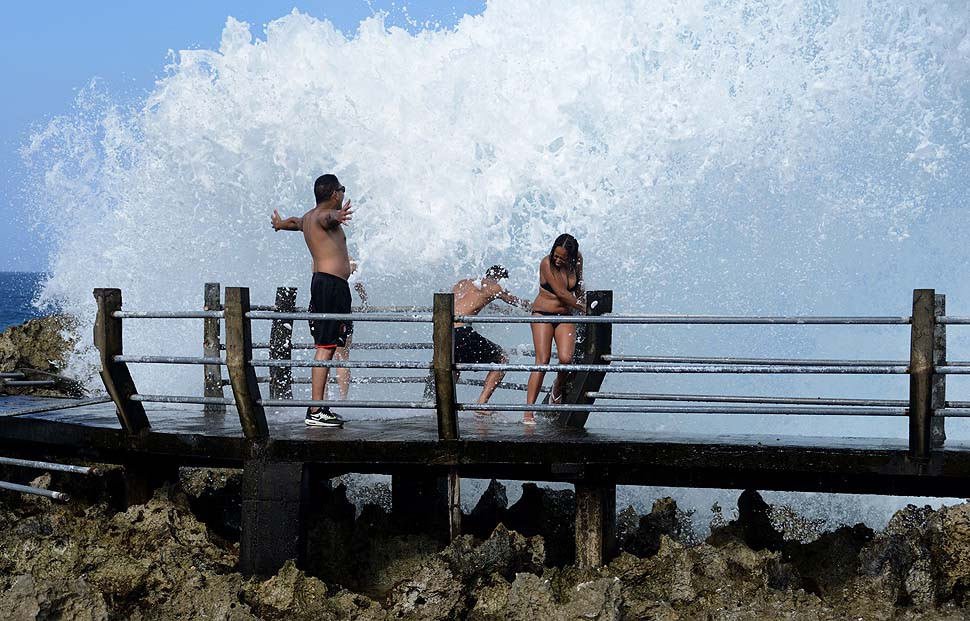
(471, 296)
(329, 292)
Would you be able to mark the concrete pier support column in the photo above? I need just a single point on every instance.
(274, 504)
(595, 524)
(427, 504)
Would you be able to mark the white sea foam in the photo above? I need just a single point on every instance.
(711, 157)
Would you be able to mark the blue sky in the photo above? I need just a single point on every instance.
(51, 49)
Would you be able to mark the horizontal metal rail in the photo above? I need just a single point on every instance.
(688, 319)
(36, 491)
(183, 399)
(383, 317)
(953, 412)
(60, 406)
(26, 383)
(649, 368)
(951, 368)
(391, 309)
(13, 375)
(953, 320)
(264, 379)
(685, 409)
(643, 396)
(361, 346)
(169, 360)
(46, 465)
(754, 361)
(186, 314)
(343, 364)
(306, 403)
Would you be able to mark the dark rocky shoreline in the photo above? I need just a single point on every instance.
(175, 557)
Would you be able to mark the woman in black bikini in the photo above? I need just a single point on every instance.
(560, 293)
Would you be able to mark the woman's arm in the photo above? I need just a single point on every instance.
(568, 299)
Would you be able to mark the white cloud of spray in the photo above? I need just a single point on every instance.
(719, 157)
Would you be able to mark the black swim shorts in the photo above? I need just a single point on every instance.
(472, 347)
(329, 294)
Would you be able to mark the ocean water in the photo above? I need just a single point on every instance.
(791, 158)
(17, 293)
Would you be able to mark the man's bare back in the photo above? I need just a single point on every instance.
(472, 296)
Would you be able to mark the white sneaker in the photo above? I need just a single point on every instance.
(322, 417)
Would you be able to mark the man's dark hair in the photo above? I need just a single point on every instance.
(324, 187)
(569, 243)
(498, 272)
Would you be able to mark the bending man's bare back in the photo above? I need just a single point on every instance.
(471, 296)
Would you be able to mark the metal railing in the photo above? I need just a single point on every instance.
(581, 379)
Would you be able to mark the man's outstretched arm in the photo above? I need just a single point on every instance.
(286, 224)
(508, 298)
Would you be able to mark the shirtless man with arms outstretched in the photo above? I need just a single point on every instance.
(323, 232)
(470, 346)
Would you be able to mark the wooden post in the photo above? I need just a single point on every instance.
(921, 373)
(211, 348)
(595, 524)
(281, 345)
(117, 380)
(598, 342)
(443, 363)
(239, 351)
(454, 505)
(938, 401)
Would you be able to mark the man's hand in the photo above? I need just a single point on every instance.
(285, 224)
(345, 213)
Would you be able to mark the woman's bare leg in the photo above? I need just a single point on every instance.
(565, 347)
(542, 334)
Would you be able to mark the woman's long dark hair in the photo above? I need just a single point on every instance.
(571, 246)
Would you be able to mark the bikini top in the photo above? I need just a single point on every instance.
(549, 288)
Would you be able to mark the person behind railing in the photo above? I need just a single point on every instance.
(343, 353)
(329, 292)
(471, 296)
(560, 294)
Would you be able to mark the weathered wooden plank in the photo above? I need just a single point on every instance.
(937, 423)
(443, 362)
(212, 348)
(921, 373)
(597, 343)
(108, 338)
(239, 351)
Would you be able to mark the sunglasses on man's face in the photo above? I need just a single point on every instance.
(341, 189)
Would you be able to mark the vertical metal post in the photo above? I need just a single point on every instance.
(921, 373)
(108, 338)
(211, 348)
(239, 353)
(281, 345)
(598, 342)
(937, 427)
(443, 363)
